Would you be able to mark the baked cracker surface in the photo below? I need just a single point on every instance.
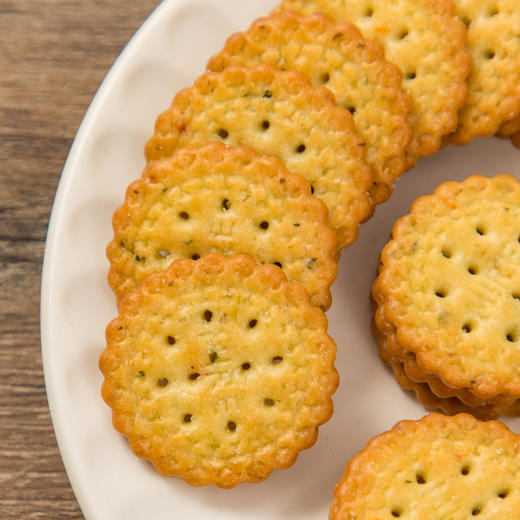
(390, 350)
(226, 200)
(219, 370)
(427, 42)
(494, 82)
(450, 403)
(437, 467)
(449, 284)
(281, 114)
(353, 68)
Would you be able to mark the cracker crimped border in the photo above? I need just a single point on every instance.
(449, 405)
(509, 128)
(391, 351)
(426, 358)
(385, 174)
(485, 123)
(427, 144)
(268, 278)
(338, 120)
(355, 479)
(223, 157)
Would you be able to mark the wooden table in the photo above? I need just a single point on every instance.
(53, 55)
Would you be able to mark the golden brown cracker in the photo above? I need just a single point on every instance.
(426, 41)
(280, 114)
(449, 286)
(509, 128)
(219, 370)
(494, 82)
(485, 411)
(436, 467)
(353, 68)
(448, 399)
(391, 351)
(226, 200)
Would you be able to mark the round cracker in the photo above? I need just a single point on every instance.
(437, 467)
(226, 200)
(494, 82)
(353, 68)
(449, 285)
(391, 350)
(450, 405)
(426, 41)
(280, 114)
(450, 402)
(219, 370)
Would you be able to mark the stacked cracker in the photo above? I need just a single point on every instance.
(337, 56)
(461, 66)
(278, 114)
(448, 297)
(423, 38)
(219, 368)
(301, 125)
(225, 200)
(427, 42)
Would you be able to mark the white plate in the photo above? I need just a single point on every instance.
(167, 54)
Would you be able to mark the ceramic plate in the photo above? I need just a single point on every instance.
(167, 54)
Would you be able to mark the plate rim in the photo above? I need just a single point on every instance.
(46, 285)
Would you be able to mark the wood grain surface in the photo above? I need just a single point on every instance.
(53, 56)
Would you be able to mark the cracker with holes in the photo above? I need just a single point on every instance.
(353, 68)
(437, 467)
(448, 292)
(427, 42)
(494, 82)
(226, 200)
(431, 391)
(281, 114)
(391, 350)
(219, 370)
